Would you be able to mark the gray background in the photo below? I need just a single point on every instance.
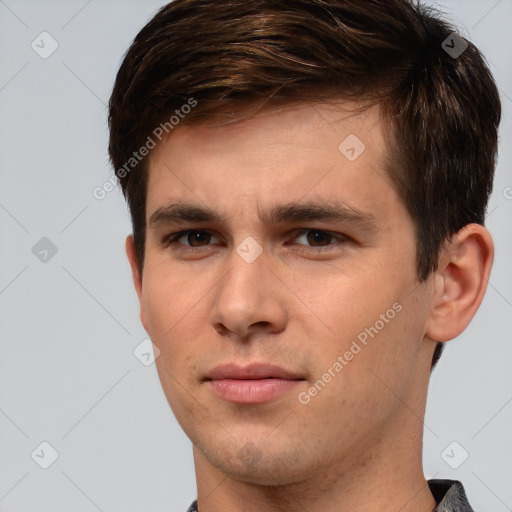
(69, 325)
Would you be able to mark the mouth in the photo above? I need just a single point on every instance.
(252, 384)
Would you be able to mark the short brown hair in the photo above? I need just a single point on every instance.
(444, 109)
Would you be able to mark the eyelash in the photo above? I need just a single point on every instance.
(173, 239)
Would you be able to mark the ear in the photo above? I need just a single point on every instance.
(460, 282)
(131, 253)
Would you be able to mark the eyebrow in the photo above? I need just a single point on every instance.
(289, 212)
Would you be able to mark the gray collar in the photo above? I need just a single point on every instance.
(449, 495)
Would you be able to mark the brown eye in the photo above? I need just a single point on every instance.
(198, 238)
(189, 238)
(318, 238)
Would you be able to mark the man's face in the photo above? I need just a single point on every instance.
(334, 301)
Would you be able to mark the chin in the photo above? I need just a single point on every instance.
(261, 463)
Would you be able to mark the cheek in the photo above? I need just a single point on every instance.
(344, 303)
(169, 296)
(370, 318)
(386, 350)
(365, 368)
(172, 319)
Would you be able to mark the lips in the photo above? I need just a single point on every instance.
(251, 372)
(252, 384)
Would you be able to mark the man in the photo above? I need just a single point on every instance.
(307, 181)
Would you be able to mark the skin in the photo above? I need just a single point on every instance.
(357, 444)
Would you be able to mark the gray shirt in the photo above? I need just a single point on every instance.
(449, 495)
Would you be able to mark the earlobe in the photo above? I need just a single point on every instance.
(460, 282)
(131, 253)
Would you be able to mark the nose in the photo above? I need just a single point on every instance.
(249, 300)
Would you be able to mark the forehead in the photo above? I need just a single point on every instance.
(258, 126)
(332, 151)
